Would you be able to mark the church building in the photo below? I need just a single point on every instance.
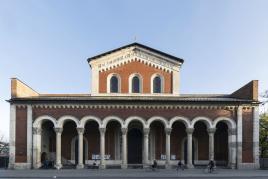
(134, 115)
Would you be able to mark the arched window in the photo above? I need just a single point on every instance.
(114, 84)
(136, 86)
(157, 84)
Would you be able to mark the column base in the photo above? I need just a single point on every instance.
(232, 165)
(167, 166)
(58, 166)
(102, 166)
(80, 166)
(190, 166)
(37, 165)
(123, 166)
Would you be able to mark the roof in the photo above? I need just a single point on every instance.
(164, 98)
(138, 45)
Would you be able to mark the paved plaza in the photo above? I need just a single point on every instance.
(133, 173)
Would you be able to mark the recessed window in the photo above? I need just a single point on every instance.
(157, 84)
(136, 84)
(114, 84)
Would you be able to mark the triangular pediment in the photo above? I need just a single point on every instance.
(135, 51)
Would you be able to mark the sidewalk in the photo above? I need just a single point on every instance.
(119, 173)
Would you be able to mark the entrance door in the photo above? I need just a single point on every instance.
(134, 146)
(186, 151)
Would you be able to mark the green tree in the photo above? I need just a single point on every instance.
(263, 136)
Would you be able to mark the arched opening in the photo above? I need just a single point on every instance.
(157, 141)
(92, 135)
(68, 133)
(157, 84)
(113, 141)
(114, 84)
(48, 143)
(221, 152)
(177, 135)
(136, 84)
(201, 135)
(135, 144)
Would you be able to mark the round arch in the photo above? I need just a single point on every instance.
(107, 119)
(158, 118)
(184, 120)
(206, 120)
(63, 119)
(135, 118)
(230, 123)
(85, 119)
(38, 121)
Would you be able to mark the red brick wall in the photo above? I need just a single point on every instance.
(247, 145)
(21, 135)
(145, 113)
(126, 70)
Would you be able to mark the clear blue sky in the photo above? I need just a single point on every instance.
(46, 43)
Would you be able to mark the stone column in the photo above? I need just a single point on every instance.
(211, 132)
(189, 132)
(232, 147)
(239, 136)
(256, 121)
(124, 148)
(168, 132)
(80, 132)
(37, 147)
(58, 131)
(146, 132)
(12, 136)
(29, 136)
(102, 147)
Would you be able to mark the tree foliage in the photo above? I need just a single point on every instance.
(264, 136)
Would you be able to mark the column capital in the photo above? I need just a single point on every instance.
(232, 131)
(146, 131)
(58, 129)
(211, 130)
(80, 130)
(102, 130)
(168, 131)
(189, 130)
(37, 130)
(124, 131)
